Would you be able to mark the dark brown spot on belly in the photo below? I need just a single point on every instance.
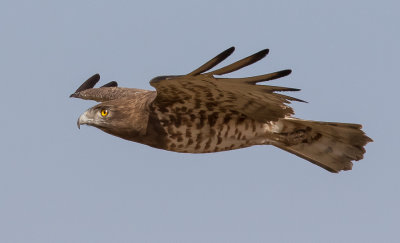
(210, 106)
(202, 119)
(227, 118)
(240, 120)
(212, 119)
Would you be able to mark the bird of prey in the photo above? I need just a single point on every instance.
(202, 112)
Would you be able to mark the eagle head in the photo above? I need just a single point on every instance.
(122, 118)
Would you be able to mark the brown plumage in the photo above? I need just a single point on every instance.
(199, 113)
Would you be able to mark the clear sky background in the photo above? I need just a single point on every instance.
(61, 184)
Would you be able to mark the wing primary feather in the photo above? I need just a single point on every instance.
(241, 63)
(291, 98)
(270, 89)
(213, 62)
(259, 78)
(89, 83)
(110, 84)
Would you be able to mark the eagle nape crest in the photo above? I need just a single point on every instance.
(201, 113)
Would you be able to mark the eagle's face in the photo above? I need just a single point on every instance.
(98, 116)
(112, 117)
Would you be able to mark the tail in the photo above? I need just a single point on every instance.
(329, 145)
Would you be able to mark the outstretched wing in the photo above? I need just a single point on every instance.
(202, 91)
(109, 91)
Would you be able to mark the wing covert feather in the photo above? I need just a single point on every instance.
(201, 92)
(198, 90)
(204, 92)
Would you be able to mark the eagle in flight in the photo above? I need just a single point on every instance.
(201, 112)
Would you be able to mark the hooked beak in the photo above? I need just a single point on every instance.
(83, 120)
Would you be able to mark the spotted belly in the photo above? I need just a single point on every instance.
(204, 132)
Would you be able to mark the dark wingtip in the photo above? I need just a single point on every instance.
(223, 55)
(261, 54)
(285, 72)
(302, 101)
(213, 62)
(89, 83)
(110, 84)
(241, 63)
(292, 89)
(229, 51)
(258, 56)
(96, 76)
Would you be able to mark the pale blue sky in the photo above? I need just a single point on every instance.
(61, 184)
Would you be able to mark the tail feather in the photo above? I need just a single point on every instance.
(329, 145)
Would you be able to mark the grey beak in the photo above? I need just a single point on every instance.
(83, 119)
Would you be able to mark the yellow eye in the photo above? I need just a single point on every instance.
(104, 113)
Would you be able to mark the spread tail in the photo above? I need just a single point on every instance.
(329, 145)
